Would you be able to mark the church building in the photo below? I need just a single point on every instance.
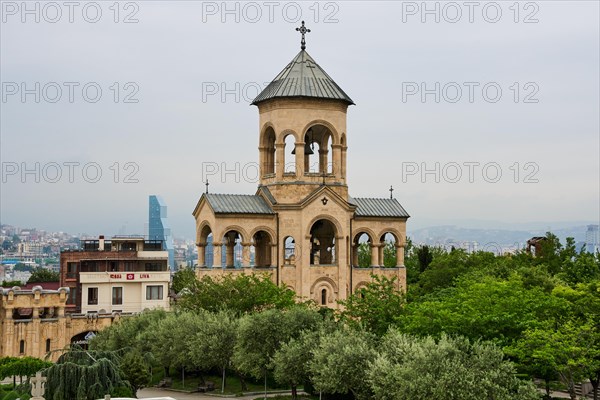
(301, 226)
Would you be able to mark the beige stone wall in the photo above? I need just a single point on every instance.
(46, 322)
(302, 199)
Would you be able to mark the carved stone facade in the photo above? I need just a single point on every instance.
(33, 322)
(301, 227)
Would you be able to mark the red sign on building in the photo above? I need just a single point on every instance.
(130, 277)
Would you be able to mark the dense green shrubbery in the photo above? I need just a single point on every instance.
(467, 325)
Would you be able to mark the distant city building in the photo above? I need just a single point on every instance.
(158, 228)
(124, 274)
(592, 239)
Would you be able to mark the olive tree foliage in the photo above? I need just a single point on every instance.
(340, 360)
(291, 362)
(212, 344)
(260, 335)
(414, 368)
(169, 339)
(129, 333)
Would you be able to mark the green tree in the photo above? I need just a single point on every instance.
(364, 255)
(43, 275)
(83, 375)
(182, 279)
(409, 368)
(572, 350)
(129, 333)
(241, 294)
(291, 361)
(10, 284)
(425, 257)
(488, 308)
(340, 361)
(375, 306)
(169, 340)
(135, 370)
(212, 345)
(22, 267)
(389, 254)
(260, 335)
(21, 366)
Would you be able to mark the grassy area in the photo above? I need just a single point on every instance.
(303, 397)
(232, 383)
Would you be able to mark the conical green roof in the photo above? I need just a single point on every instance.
(303, 77)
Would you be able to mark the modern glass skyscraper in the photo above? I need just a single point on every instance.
(158, 228)
(592, 239)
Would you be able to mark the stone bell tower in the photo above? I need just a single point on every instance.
(302, 130)
(301, 227)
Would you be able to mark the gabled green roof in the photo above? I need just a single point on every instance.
(238, 204)
(303, 77)
(368, 207)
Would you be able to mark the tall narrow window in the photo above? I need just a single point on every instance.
(71, 270)
(48, 342)
(92, 295)
(324, 297)
(22, 347)
(117, 295)
(72, 299)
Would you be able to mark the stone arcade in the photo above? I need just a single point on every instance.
(301, 227)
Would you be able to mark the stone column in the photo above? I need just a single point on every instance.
(381, 255)
(323, 152)
(337, 160)
(246, 254)
(217, 263)
(279, 158)
(201, 255)
(273, 254)
(300, 167)
(229, 250)
(355, 255)
(400, 255)
(374, 255)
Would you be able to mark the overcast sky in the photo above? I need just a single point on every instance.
(488, 88)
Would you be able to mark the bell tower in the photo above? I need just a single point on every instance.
(302, 130)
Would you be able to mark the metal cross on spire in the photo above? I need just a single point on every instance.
(391, 192)
(206, 183)
(303, 30)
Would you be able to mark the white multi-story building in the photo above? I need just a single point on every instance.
(124, 274)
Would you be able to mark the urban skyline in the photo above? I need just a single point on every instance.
(188, 83)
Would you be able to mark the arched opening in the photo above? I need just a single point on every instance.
(312, 160)
(319, 140)
(389, 250)
(262, 249)
(289, 250)
(268, 144)
(322, 242)
(205, 247)
(324, 297)
(231, 254)
(289, 166)
(82, 339)
(362, 252)
(328, 156)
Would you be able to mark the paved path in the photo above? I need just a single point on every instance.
(154, 392)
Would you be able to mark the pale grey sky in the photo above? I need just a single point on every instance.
(542, 131)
